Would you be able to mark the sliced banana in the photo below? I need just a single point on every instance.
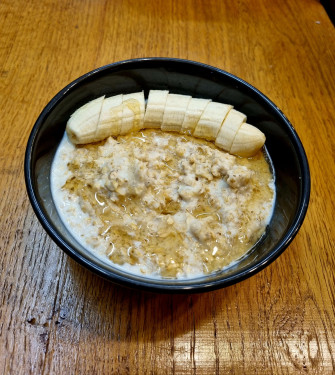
(122, 114)
(82, 125)
(132, 112)
(193, 113)
(155, 109)
(248, 141)
(110, 118)
(211, 120)
(174, 112)
(229, 129)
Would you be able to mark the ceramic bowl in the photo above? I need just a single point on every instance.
(182, 77)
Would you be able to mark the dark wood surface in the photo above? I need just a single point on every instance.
(58, 318)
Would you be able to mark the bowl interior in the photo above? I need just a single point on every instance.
(182, 77)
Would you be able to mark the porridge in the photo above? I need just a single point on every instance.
(161, 204)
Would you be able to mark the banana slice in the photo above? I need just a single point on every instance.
(132, 113)
(193, 113)
(229, 129)
(155, 109)
(110, 117)
(174, 112)
(211, 120)
(248, 141)
(81, 126)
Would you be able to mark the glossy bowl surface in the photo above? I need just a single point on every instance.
(183, 77)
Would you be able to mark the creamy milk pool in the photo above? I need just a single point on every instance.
(161, 204)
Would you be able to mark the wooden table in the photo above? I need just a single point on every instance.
(58, 318)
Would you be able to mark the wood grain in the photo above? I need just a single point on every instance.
(58, 318)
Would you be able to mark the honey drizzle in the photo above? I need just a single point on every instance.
(164, 249)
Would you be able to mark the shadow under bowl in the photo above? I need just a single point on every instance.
(181, 77)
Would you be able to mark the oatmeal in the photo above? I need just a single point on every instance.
(163, 204)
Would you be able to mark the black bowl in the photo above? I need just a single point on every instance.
(183, 77)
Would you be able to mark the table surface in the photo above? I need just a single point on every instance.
(57, 317)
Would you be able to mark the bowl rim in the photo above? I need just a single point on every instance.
(166, 286)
